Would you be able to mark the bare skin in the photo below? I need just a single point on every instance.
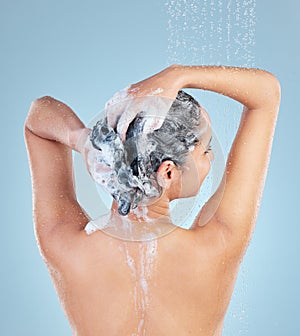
(191, 279)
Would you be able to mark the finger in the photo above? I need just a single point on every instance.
(122, 129)
(111, 113)
(118, 97)
(124, 121)
(115, 105)
(157, 111)
(152, 124)
(114, 112)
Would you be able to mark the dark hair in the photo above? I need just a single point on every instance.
(132, 166)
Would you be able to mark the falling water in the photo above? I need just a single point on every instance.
(142, 271)
(211, 32)
(215, 32)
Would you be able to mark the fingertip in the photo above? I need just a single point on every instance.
(158, 123)
(153, 125)
(108, 120)
(121, 130)
(148, 128)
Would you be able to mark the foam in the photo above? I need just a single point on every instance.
(124, 228)
(158, 90)
(107, 164)
(128, 171)
(117, 97)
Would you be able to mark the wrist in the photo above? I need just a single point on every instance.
(186, 76)
(178, 75)
(78, 137)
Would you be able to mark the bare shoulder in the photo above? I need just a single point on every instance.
(57, 215)
(65, 248)
(245, 172)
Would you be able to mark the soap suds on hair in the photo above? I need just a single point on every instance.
(127, 171)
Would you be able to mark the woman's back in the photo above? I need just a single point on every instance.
(179, 284)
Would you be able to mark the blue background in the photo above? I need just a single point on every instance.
(81, 53)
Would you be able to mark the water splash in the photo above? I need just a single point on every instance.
(142, 271)
(215, 32)
(237, 317)
(211, 32)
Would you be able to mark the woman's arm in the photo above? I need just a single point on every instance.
(253, 88)
(49, 133)
(248, 159)
(51, 119)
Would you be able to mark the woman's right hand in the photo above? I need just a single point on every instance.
(154, 96)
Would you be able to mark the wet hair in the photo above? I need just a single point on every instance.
(128, 170)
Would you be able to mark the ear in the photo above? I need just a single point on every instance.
(166, 173)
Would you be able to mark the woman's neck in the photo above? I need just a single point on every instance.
(142, 223)
(158, 211)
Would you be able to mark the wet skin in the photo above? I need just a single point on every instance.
(194, 271)
(189, 288)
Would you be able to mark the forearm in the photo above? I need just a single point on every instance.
(253, 88)
(54, 120)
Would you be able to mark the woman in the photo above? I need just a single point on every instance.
(180, 284)
(132, 170)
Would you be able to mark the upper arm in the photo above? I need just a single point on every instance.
(246, 169)
(53, 193)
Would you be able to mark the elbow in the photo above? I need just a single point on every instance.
(36, 106)
(41, 102)
(276, 89)
(272, 89)
(44, 100)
